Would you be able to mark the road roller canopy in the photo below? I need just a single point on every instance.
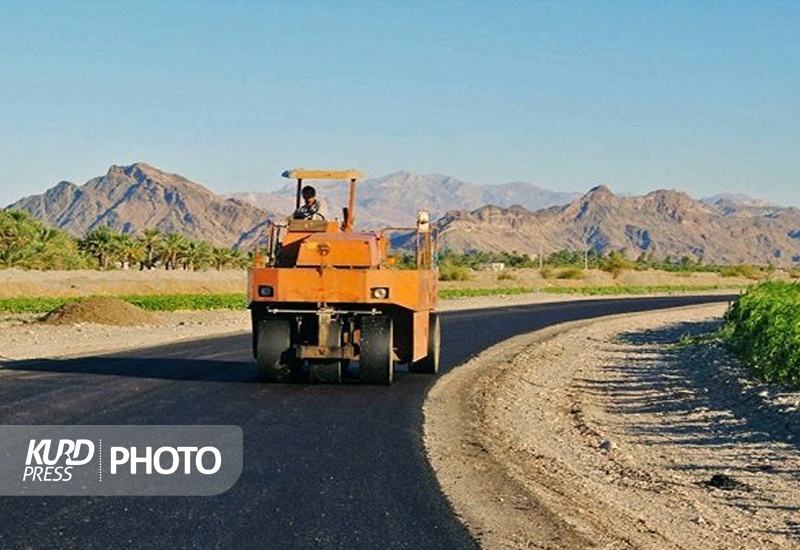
(303, 174)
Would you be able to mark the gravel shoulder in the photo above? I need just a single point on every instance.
(608, 434)
(23, 337)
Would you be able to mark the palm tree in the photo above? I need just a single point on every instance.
(174, 244)
(222, 257)
(152, 240)
(130, 251)
(241, 259)
(197, 254)
(17, 237)
(47, 249)
(103, 244)
(205, 255)
(28, 243)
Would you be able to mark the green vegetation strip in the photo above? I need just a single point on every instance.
(449, 293)
(584, 291)
(763, 330)
(32, 305)
(158, 302)
(620, 290)
(175, 302)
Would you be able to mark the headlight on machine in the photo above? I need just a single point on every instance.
(379, 293)
(266, 291)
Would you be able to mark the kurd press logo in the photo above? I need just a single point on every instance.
(43, 465)
(119, 460)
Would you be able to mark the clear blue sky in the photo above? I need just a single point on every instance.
(698, 96)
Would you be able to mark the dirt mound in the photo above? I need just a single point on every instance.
(99, 310)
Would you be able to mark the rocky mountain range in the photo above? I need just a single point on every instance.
(664, 222)
(131, 198)
(395, 199)
(512, 217)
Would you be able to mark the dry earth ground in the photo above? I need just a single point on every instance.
(15, 282)
(532, 278)
(606, 434)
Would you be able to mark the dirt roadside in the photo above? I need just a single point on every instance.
(607, 434)
(23, 337)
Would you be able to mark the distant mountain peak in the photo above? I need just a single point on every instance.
(401, 174)
(600, 191)
(735, 200)
(671, 195)
(64, 184)
(140, 171)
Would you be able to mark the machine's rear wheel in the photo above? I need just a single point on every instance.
(430, 363)
(273, 343)
(377, 349)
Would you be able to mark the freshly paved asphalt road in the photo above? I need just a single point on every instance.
(324, 466)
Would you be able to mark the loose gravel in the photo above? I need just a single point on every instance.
(630, 432)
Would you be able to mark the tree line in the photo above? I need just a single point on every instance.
(612, 261)
(29, 244)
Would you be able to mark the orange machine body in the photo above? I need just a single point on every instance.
(322, 274)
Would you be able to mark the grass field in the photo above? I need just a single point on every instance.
(176, 302)
(154, 302)
(160, 290)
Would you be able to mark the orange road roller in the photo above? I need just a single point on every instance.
(329, 302)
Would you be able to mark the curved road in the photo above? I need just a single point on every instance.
(324, 466)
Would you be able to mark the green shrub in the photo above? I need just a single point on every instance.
(616, 264)
(571, 273)
(505, 276)
(744, 270)
(763, 330)
(452, 272)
